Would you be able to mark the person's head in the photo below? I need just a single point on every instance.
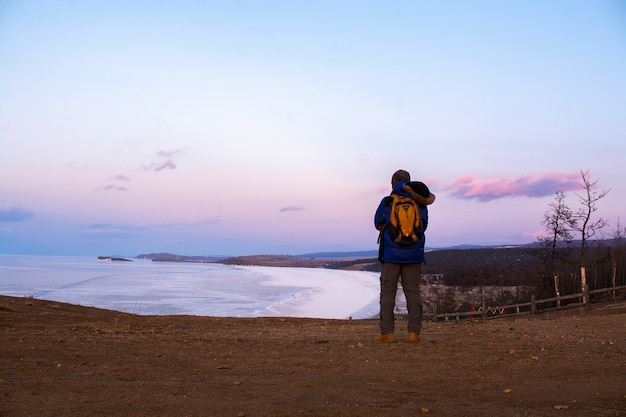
(400, 175)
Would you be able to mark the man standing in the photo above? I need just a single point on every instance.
(401, 258)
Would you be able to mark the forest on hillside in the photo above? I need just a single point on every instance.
(521, 266)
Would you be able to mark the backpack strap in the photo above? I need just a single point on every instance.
(381, 244)
(381, 239)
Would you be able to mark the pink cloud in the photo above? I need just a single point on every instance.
(529, 185)
(168, 153)
(209, 221)
(111, 187)
(160, 166)
(291, 208)
(166, 161)
(108, 231)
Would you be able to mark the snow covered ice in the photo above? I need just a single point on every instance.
(160, 288)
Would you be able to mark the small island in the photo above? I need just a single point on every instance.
(112, 258)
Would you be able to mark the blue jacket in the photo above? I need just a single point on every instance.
(392, 252)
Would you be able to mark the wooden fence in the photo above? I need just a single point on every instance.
(485, 312)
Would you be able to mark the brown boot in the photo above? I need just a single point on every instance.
(388, 337)
(414, 337)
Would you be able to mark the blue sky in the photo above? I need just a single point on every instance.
(249, 127)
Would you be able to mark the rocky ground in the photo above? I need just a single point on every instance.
(65, 360)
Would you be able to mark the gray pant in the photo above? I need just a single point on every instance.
(411, 275)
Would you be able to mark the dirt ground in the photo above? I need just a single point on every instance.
(64, 360)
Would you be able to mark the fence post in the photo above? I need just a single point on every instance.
(583, 284)
(614, 278)
(484, 309)
(435, 313)
(558, 292)
(585, 295)
(533, 304)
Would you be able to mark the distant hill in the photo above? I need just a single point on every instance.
(451, 255)
(374, 252)
(169, 257)
(359, 254)
(335, 255)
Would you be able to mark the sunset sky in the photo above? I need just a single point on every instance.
(273, 127)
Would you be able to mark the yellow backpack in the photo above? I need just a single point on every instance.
(405, 225)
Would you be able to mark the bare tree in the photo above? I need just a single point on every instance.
(618, 233)
(583, 223)
(618, 236)
(559, 221)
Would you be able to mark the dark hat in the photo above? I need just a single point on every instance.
(400, 175)
(420, 188)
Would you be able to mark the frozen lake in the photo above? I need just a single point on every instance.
(159, 288)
